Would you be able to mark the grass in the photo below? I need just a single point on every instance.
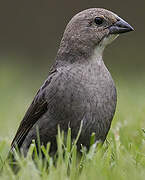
(121, 157)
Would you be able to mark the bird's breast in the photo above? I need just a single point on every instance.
(85, 89)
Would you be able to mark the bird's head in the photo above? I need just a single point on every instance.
(92, 28)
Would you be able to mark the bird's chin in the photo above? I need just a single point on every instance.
(109, 39)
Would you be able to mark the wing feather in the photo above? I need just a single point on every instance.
(37, 108)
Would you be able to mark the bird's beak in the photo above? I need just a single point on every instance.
(119, 27)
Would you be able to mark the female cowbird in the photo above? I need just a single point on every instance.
(79, 87)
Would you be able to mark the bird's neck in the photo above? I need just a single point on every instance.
(73, 50)
(78, 52)
(97, 54)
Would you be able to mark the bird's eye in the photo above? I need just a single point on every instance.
(98, 20)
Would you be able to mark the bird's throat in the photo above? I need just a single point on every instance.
(99, 49)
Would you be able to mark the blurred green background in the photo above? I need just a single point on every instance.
(30, 32)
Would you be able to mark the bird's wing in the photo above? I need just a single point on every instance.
(37, 108)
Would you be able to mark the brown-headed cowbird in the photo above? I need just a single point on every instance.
(79, 87)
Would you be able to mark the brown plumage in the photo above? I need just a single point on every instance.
(79, 86)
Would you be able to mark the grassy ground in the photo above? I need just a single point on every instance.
(121, 157)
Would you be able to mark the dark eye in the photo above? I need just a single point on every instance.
(98, 20)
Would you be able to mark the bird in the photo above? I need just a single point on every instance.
(79, 88)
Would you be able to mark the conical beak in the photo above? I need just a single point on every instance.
(119, 27)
